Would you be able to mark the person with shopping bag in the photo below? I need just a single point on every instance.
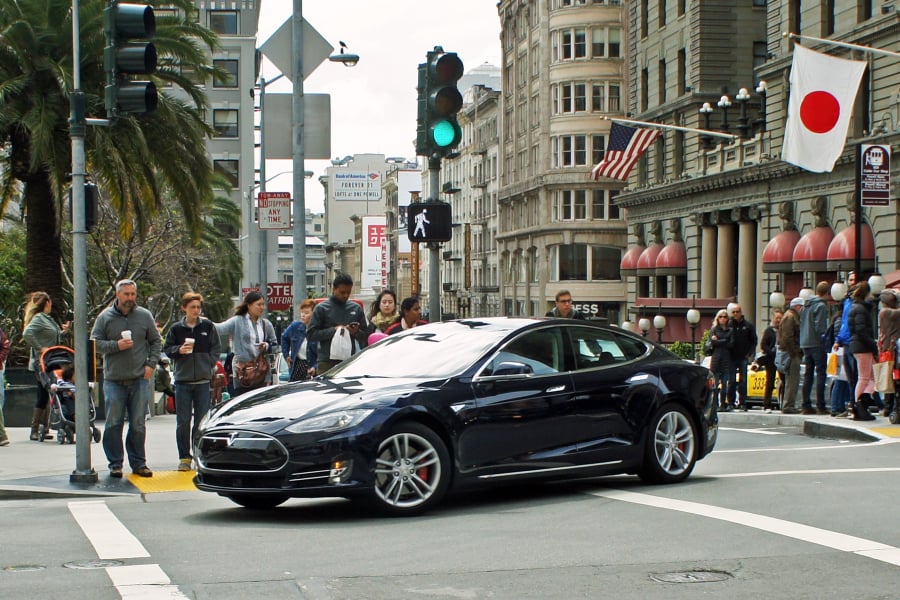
(889, 334)
(338, 325)
(865, 349)
(252, 338)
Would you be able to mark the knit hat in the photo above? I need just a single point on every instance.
(798, 301)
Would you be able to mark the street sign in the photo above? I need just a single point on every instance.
(875, 175)
(429, 222)
(274, 210)
(280, 46)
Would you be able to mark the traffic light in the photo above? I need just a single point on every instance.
(438, 131)
(127, 53)
(429, 222)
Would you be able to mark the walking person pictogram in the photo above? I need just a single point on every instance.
(421, 221)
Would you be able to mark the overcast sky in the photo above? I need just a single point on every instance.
(373, 105)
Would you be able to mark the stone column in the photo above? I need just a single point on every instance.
(708, 249)
(747, 264)
(726, 248)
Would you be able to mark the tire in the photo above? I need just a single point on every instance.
(670, 452)
(411, 472)
(258, 501)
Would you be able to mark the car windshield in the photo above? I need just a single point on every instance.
(428, 351)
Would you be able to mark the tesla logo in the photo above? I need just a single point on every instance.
(231, 437)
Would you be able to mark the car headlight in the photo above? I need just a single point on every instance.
(335, 421)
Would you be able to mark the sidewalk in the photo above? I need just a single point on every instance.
(31, 469)
(36, 470)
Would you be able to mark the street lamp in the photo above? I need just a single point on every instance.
(724, 103)
(761, 89)
(806, 292)
(644, 325)
(693, 318)
(659, 323)
(838, 288)
(706, 112)
(877, 282)
(743, 97)
(776, 299)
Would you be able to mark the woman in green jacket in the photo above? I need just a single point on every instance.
(40, 333)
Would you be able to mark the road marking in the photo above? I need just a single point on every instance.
(809, 472)
(112, 540)
(105, 532)
(759, 431)
(798, 531)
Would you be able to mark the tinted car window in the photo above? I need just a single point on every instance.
(542, 350)
(603, 347)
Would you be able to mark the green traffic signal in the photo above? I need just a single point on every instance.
(439, 100)
(445, 133)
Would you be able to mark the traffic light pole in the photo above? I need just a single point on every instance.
(434, 248)
(83, 472)
(299, 159)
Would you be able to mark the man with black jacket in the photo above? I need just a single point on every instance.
(336, 315)
(743, 347)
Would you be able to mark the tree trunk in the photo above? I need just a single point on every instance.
(43, 271)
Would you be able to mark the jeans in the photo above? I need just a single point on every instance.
(738, 387)
(814, 359)
(131, 396)
(722, 381)
(840, 395)
(850, 368)
(190, 398)
(2, 402)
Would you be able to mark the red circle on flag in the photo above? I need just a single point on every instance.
(819, 111)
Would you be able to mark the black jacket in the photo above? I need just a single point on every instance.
(862, 329)
(744, 339)
(721, 349)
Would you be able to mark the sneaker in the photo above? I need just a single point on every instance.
(4, 442)
(115, 472)
(840, 415)
(184, 464)
(808, 411)
(142, 472)
(790, 411)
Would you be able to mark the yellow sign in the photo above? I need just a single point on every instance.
(756, 384)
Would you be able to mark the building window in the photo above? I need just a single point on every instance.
(760, 53)
(573, 262)
(573, 44)
(645, 89)
(662, 13)
(573, 97)
(598, 148)
(224, 22)
(645, 18)
(230, 66)
(572, 205)
(225, 122)
(605, 263)
(228, 169)
(682, 72)
(661, 81)
(572, 150)
(605, 97)
(606, 42)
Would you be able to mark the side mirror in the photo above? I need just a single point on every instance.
(513, 368)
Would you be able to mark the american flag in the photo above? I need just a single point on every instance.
(626, 144)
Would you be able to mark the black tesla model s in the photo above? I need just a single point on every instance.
(463, 403)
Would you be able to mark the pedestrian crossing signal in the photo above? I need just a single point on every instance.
(429, 222)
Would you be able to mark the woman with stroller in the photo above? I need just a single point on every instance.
(40, 332)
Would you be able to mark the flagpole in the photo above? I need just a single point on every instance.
(728, 136)
(797, 36)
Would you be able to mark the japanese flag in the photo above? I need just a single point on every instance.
(823, 89)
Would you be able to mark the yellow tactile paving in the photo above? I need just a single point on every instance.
(164, 481)
(887, 431)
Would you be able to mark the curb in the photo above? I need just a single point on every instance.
(841, 432)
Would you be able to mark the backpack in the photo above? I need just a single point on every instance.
(4, 347)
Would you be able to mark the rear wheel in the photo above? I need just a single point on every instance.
(257, 501)
(671, 449)
(412, 471)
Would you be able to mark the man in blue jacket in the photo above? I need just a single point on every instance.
(813, 330)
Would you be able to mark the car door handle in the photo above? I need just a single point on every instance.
(555, 388)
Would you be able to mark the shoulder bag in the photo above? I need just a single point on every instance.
(252, 373)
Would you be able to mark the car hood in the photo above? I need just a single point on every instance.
(284, 404)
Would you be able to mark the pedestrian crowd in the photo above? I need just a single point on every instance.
(860, 358)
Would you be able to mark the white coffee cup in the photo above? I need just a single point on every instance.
(126, 335)
(189, 342)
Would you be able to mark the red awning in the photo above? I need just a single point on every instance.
(646, 266)
(778, 256)
(628, 266)
(842, 250)
(672, 260)
(811, 253)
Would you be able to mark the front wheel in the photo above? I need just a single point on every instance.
(671, 449)
(257, 501)
(411, 472)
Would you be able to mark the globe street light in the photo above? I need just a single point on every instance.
(693, 318)
(659, 323)
(776, 299)
(644, 325)
(627, 325)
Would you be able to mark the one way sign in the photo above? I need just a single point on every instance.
(274, 210)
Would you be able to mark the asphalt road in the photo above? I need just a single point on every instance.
(771, 514)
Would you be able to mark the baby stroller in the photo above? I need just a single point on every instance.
(62, 396)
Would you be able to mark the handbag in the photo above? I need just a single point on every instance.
(884, 374)
(170, 403)
(834, 364)
(252, 373)
(341, 345)
(782, 361)
(299, 370)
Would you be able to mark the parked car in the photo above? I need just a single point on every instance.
(459, 404)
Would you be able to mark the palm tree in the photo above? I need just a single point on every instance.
(126, 159)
